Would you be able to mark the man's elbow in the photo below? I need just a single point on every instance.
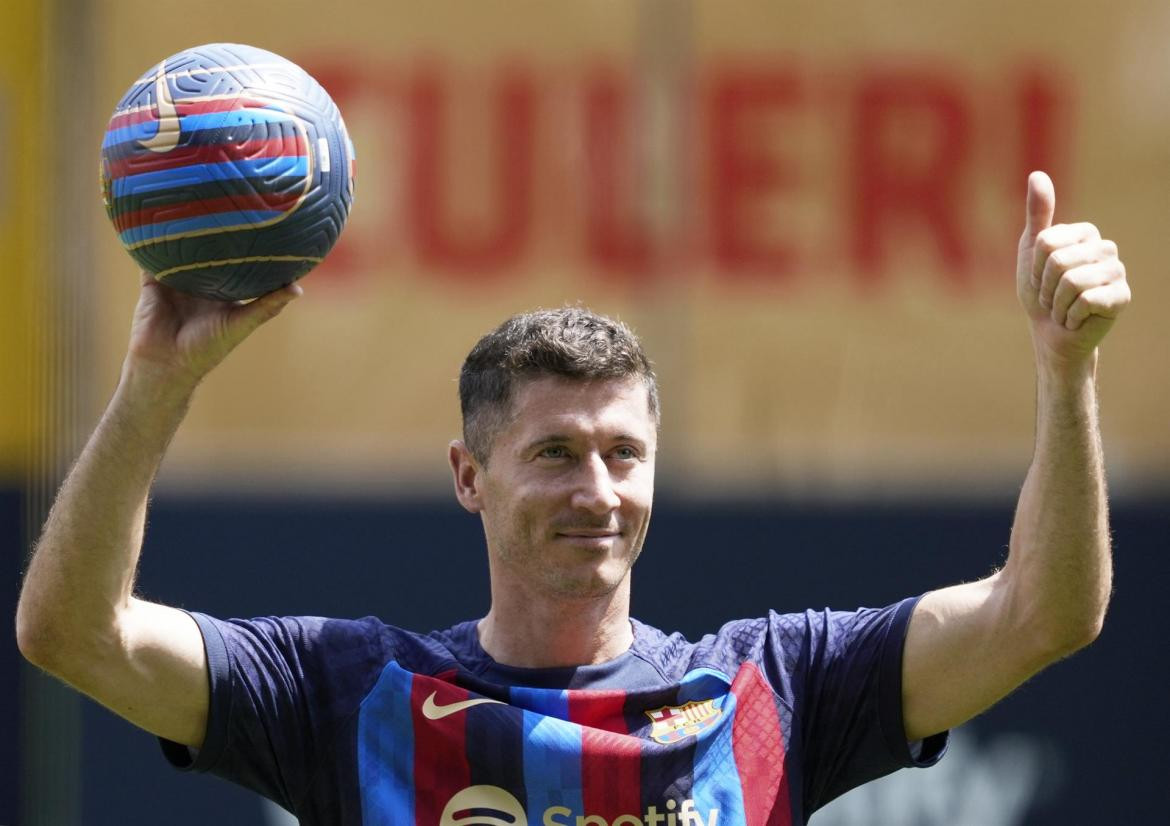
(44, 640)
(1055, 626)
(1091, 630)
(65, 645)
(33, 641)
(1073, 635)
(35, 638)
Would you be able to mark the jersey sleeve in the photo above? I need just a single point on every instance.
(280, 689)
(845, 672)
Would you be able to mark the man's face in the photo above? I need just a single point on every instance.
(567, 490)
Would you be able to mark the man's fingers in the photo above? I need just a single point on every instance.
(1106, 301)
(247, 317)
(1041, 205)
(1063, 248)
(268, 306)
(1056, 238)
(1080, 280)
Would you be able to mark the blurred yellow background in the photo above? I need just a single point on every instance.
(22, 218)
(810, 213)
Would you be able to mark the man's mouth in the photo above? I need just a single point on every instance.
(588, 533)
(594, 538)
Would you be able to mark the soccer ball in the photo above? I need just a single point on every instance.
(227, 171)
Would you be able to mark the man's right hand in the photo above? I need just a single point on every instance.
(182, 337)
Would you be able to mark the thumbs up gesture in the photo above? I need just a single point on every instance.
(1069, 280)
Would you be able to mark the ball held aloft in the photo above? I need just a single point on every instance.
(227, 171)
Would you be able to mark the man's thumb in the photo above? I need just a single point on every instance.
(1041, 204)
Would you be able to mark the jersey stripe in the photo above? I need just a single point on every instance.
(552, 766)
(386, 750)
(495, 747)
(717, 783)
(758, 746)
(440, 756)
(611, 773)
(716, 780)
(666, 769)
(552, 702)
(552, 749)
(611, 760)
(599, 709)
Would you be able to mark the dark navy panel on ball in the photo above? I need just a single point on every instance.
(221, 281)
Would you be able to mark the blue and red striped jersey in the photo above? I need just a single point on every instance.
(359, 722)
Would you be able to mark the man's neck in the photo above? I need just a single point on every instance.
(551, 632)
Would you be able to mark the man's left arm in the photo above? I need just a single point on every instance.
(969, 645)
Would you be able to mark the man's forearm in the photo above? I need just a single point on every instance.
(82, 571)
(1059, 565)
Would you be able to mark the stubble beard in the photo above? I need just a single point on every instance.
(541, 564)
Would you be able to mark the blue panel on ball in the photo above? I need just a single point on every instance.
(204, 173)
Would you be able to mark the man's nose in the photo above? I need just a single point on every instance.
(595, 491)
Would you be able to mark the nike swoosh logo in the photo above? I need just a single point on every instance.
(167, 136)
(432, 711)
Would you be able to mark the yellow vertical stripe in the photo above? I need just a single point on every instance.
(23, 186)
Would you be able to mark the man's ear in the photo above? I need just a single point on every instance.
(466, 473)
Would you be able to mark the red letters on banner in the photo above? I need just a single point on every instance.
(633, 183)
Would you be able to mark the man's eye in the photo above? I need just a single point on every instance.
(554, 452)
(626, 452)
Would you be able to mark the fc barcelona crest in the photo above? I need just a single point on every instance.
(673, 723)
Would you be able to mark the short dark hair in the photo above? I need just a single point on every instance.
(572, 342)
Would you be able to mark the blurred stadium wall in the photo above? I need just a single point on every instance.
(810, 213)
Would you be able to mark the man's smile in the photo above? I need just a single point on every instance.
(589, 538)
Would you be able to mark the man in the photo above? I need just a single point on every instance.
(557, 707)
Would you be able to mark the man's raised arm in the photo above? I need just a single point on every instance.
(77, 617)
(970, 645)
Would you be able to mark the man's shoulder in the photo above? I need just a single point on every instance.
(735, 642)
(424, 652)
(333, 639)
(782, 638)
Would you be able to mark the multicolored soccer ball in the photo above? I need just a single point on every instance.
(227, 171)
